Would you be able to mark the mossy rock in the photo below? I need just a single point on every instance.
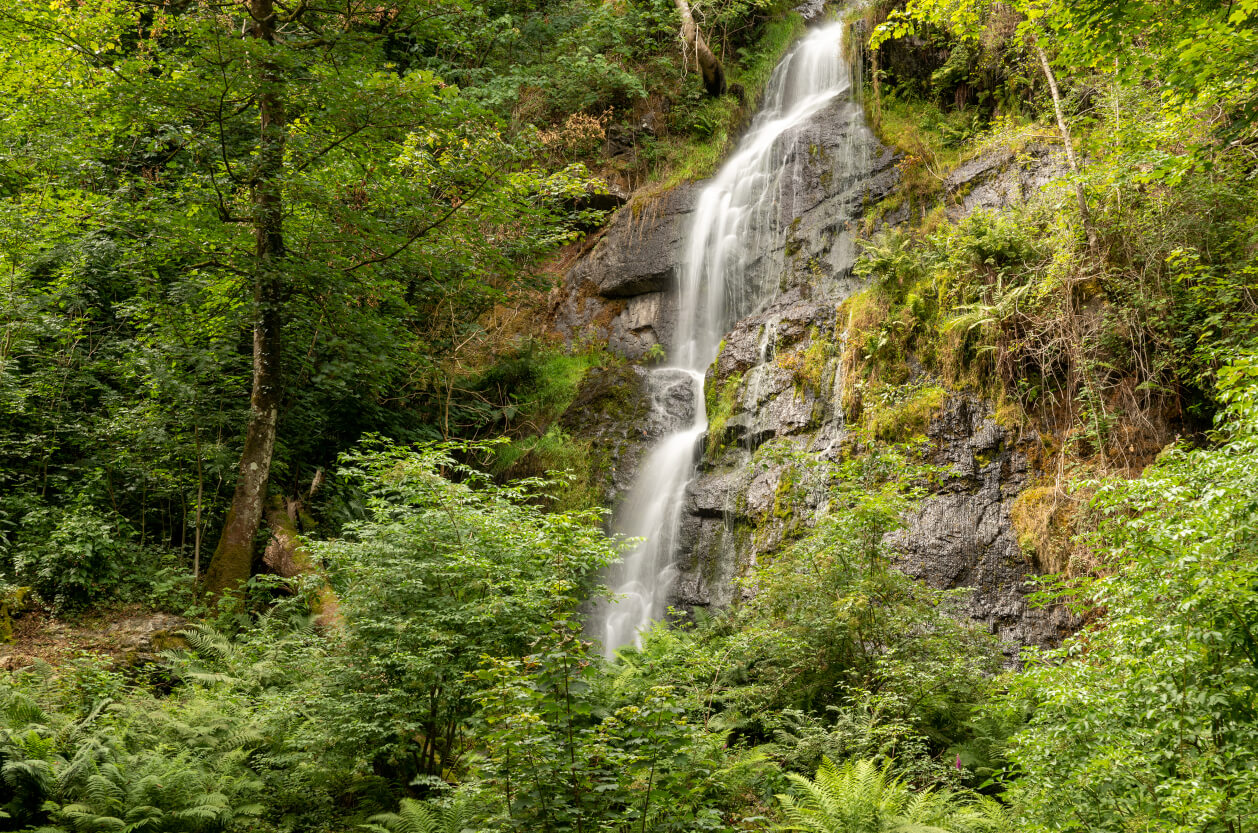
(615, 395)
(905, 419)
(15, 602)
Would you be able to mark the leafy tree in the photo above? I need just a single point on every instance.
(278, 172)
(436, 577)
(565, 760)
(1147, 718)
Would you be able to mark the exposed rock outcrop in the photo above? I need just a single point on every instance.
(624, 410)
(774, 393)
(141, 639)
(962, 535)
(621, 292)
(1000, 178)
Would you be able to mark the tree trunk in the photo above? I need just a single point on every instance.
(288, 557)
(1070, 148)
(709, 67)
(232, 562)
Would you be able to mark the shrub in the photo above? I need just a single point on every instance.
(862, 797)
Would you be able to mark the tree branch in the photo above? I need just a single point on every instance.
(425, 229)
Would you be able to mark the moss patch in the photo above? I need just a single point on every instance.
(721, 400)
(1049, 519)
(902, 419)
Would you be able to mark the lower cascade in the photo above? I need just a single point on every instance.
(732, 262)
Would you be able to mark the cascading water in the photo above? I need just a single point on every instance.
(736, 224)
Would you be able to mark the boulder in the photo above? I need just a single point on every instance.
(141, 639)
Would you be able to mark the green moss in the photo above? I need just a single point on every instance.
(901, 420)
(927, 138)
(14, 602)
(811, 369)
(577, 465)
(721, 400)
(534, 384)
(785, 499)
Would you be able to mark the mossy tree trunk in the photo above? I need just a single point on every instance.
(232, 561)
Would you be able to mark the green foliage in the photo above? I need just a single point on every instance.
(1013, 303)
(906, 415)
(862, 797)
(115, 767)
(710, 123)
(438, 575)
(837, 653)
(833, 597)
(414, 817)
(286, 728)
(1147, 718)
(129, 238)
(565, 758)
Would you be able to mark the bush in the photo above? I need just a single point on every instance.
(72, 557)
(439, 575)
(1147, 718)
(862, 797)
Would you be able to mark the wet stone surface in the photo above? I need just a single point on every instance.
(963, 536)
(760, 481)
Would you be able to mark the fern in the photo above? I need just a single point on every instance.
(414, 817)
(862, 797)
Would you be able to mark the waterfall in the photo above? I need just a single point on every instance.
(723, 277)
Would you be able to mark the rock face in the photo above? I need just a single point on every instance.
(141, 639)
(625, 411)
(962, 536)
(774, 393)
(773, 397)
(622, 291)
(1000, 178)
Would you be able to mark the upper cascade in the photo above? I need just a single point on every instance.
(735, 218)
(726, 272)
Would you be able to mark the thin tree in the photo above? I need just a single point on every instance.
(232, 561)
(709, 65)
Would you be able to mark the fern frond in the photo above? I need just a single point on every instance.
(862, 797)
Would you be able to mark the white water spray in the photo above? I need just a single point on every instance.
(735, 225)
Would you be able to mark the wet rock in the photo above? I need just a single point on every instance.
(613, 409)
(758, 337)
(714, 497)
(963, 536)
(705, 575)
(673, 399)
(623, 290)
(999, 178)
(638, 253)
(810, 9)
(646, 320)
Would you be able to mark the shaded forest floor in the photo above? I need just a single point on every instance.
(122, 633)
